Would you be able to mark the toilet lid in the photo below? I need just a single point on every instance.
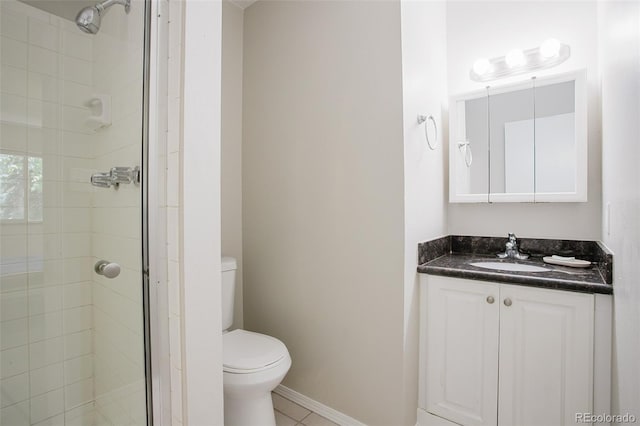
(245, 350)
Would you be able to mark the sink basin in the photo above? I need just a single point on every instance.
(506, 266)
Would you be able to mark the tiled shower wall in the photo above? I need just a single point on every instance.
(46, 337)
(173, 201)
(116, 216)
(71, 341)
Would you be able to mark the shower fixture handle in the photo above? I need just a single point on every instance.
(109, 270)
(116, 176)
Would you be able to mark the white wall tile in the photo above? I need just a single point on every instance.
(81, 416)
(121, 221)
(42, 34)
(58, 420)
(77, 319)
(173, 179)
(77, 219)
(77, 344)
(46, 326)
(47, 246)
(13, 305)
(43, 61)
(13, 25)
(42, 86)
(78, 393)
(15, 282)
(45, 300)
(76, 245)
(173, 286)
(123, 251)
(43, 114)
(45, 141)
(15, 415)
(51, 220)
(75, 295)
(77, 70)
(51, 168)
(14, 389)
(77, 194)
(77, 269)
(77, 45)
(77, 369)
(14, 361)
(74, 119)
(47, 405)
(76, 144)
(14, 333)
(13, 52)
(46, 352)
(14, 137)
(13, 81)
(13, 109)
(12, 248)
(75, 94)
(45, 379)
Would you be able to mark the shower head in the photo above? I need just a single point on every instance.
(88, 19)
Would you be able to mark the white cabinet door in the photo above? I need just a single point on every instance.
(546, 356)
(462, 350)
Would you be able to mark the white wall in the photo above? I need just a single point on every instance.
(231, 140)
(425, 205)
(619, 28)
(323, 197)
(200, 215)
(488, 29)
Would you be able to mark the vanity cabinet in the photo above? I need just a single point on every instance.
(502, 354)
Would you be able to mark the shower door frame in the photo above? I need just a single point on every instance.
(152, 326)
(145, 167)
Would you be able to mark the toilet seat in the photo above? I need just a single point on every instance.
(246, 352)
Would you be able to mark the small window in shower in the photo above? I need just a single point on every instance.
(20, 188)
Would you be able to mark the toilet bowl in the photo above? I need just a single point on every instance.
(253, 365)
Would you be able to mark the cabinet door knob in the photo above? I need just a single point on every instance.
(507, 302)
(490, 299)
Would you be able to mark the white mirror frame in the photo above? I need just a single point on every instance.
(457, 119)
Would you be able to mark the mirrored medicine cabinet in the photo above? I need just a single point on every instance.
(524, 142)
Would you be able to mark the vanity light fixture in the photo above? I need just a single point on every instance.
(550, 53)
(515, 58)
(550, 48)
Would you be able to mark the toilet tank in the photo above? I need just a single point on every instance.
(229, 267)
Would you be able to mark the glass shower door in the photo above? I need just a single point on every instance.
(71, 335)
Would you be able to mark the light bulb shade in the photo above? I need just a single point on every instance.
(515, 58)
(550, 48)
(481, 66)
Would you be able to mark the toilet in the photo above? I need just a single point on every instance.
(253, 364)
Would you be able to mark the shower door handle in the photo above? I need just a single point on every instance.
(109, 270)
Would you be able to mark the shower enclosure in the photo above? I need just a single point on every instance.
(73, 288)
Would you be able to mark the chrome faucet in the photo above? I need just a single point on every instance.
(511, 249)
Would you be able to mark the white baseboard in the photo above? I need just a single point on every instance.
(313, 405)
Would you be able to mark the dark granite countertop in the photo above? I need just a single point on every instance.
(451, 256)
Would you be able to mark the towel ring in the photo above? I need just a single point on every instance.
(426, 119)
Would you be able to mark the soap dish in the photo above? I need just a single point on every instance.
(566, 261)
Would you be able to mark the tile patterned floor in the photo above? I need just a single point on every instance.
(288, 413)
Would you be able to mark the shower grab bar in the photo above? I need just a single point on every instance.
(116, 176)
